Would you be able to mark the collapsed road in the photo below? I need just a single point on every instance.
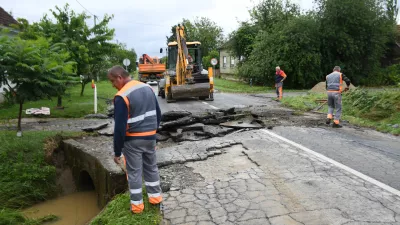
(244, 159)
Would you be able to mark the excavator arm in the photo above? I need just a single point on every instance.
(147, 58)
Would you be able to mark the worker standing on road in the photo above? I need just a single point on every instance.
(280, 76)
(137, 116)
(334, 83)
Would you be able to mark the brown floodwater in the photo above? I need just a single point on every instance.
(74, 209)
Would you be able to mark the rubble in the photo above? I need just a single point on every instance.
(174, 115)
(240, 124)
(179, 126)
(96, 116)
(95, 127)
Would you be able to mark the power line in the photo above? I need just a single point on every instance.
(85, 8)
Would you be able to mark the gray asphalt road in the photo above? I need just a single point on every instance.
(221, 101)
(372, 153)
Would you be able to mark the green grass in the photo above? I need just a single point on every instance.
(75, 105)
(117, 213)
(230, 86)
(25, 177)
(378, 110)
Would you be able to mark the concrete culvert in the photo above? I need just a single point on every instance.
(85, 182)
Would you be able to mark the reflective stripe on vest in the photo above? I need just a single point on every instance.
(334, 82)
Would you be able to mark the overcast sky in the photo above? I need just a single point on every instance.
(143, 25)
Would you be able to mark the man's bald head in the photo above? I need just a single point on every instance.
(116, 71)
(118, 77)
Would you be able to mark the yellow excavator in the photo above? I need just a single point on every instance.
(185, 76)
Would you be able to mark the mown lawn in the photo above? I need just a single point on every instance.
(75, 106)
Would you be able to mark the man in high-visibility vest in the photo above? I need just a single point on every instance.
(334, 83)
(280, 76)
(137, 116)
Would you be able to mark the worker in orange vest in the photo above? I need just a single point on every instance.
(280, 76)
(137, 116)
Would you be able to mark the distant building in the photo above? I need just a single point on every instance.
(228, 62)
(6, 20)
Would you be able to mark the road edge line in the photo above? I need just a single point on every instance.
(213, 107)
(338, 164)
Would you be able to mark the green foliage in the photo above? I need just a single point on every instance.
(207, 59)
(119, 53)
(269, 13)
(25, 177)
(38, 69)
(117, 212)
(355, 35)
(379, 109)
(241, 40)
(202, 29)
(294, 47)
(393, 73)
(75, 106)
(375, 107)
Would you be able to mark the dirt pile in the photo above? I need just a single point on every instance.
(321, 87)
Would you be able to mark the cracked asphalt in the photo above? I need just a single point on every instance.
(253, 178)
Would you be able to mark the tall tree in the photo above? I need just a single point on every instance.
(35, 67)
(87, 46)
(241, 40)
(355, 35)
(202, 29)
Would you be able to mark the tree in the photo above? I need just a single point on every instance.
(207, 59)
(202, 29)
(36, 68)
(355, 36)
(294, 47)
(121, 52)
(241, 41)
(268, 13)
(87, 46)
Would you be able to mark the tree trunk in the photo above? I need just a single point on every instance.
(59, 102)
(21, 102)
(83, 88)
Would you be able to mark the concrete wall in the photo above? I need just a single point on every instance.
(227, 62)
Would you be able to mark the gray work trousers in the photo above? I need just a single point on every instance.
(140, 155)
(335, 102)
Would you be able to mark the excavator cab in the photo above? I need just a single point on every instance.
(185, 76)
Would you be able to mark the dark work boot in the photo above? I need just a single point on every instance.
(328, 121)
(335, 125)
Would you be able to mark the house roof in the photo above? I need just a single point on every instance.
(6, 19)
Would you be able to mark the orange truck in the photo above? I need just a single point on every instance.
(150, 69)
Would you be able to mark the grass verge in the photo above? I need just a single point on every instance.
(378, 110)
(117, 212)
(25, 176)
(231, 86)
(75, 106)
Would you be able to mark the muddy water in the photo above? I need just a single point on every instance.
(74, 209)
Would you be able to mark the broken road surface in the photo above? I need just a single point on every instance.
(293, 174)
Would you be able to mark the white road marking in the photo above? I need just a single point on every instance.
(210, 105)
(348, 169)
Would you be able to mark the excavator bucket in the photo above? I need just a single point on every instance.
(191, 90)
